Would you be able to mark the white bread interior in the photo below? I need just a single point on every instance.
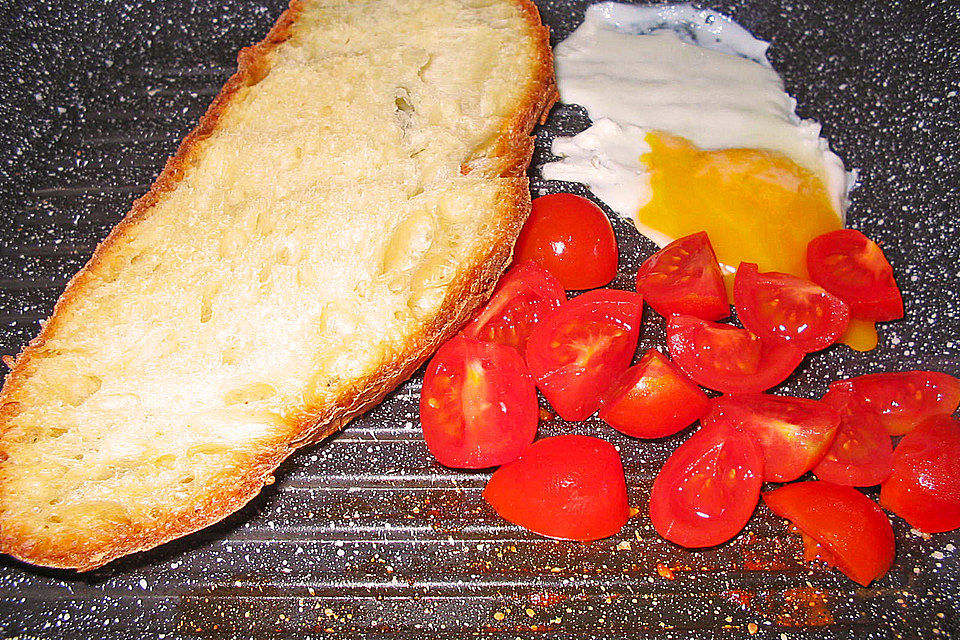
(348, 200)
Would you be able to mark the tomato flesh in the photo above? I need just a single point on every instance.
(862, 453)
(852, 267)
(653, 399)
(785, 308)
(708, 488)
(794, 433)
(904, 399)
(572, 238)
(924, 486)
(525, 295)
(684, 277)
(478, 406)
(577, 353)
(727, 358)
(569, 487)
(853, 530)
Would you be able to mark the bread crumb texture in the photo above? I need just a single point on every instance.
(344, 205)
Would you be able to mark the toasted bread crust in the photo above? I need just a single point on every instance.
(309, 423)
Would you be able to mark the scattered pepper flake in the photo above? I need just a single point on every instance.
(665, 572)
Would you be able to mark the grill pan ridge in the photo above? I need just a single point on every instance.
(365, 534)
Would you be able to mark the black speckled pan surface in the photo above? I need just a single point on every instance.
(365, 534)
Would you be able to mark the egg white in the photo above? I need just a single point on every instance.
(690, 72)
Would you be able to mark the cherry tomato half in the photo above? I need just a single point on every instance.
(854, 532)
(572, 238)
(852, 267)
(708, 488)
(785, 308)
(726, 358)
(478, 405)
(577, 352)
(525, 295)
(924, 487)
(684, 277)
(570, 487)
(794, 433)
(653, 399)
(904, 399)
(862, 453)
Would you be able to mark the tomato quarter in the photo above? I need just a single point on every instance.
(904, 399)
(784, 308)
(726, 358)
(924, 487)
(852, 267)
(854, 532)
(570, 487)
(572, 238)
(708, 488)
(525, 295)
(577, 353)
(684, 277)
(862, 453)
(794, 433)
(478, 406)
(653, 399)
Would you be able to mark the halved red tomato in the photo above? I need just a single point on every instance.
(852, 267)
(708, 488)
(904, 399)
(684, 277)
(785, 308)
(794, 433)
(653, 399)
(572, 238)
(524, 296)
(570, 487)
(862, 452)
(853, 531)
(924, 487)
(478, 406)
(726, 358)
(577, 352)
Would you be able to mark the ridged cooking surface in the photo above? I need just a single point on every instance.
(365, 533)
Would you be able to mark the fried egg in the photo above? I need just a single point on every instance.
(693, 131)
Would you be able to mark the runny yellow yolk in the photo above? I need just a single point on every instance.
(755, 205)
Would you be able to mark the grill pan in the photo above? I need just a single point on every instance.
(364, 534)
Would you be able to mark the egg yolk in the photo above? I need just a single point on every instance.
(861, 335)
(755, 205)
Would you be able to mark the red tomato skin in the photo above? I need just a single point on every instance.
(572, 238)
(575, 388)
(653, 399)
(904, 399)
(852, 267)
(525, 295)
(503, 395)
(750, 365)
(684, 277)
(853, 529)
(862, 453)
(794, 433)
(694, 501)
(784, 308)
(569, 487)
(924, 487)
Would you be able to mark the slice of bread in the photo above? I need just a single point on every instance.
(347, 201)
